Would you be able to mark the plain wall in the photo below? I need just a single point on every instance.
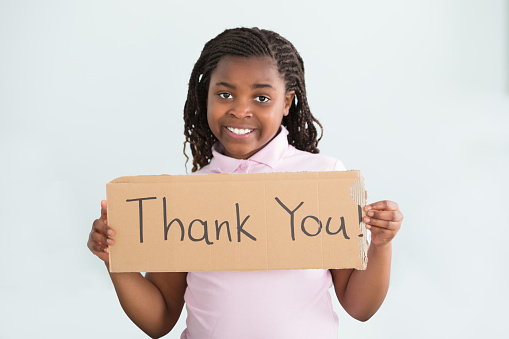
(414, 94)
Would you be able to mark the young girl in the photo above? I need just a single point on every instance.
(247, 112)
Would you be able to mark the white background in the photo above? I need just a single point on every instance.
(413, 93)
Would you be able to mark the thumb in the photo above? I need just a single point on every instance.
(104, 210)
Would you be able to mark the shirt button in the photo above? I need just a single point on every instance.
(243, 166)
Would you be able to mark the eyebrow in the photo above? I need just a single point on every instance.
(254, 86)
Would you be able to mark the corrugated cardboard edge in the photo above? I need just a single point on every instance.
(360, 196)
(140, 179)
(271, 176)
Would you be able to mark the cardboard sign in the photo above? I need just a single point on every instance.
(237, 222)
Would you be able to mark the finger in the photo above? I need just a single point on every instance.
(386, 215)
(385, 205)
(381, 223)
(101, 239)
(99, 249)
(103, 255)
(101, 227)
(96, 247)
(104, 209)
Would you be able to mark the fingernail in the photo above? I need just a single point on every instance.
(368, 207)
(110, 232)
(371, 213)
(368, 226)
(106, 249)
(366, 219)
(109, 241)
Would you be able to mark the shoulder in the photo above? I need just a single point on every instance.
(298, 160)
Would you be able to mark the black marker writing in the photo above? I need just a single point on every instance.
(167, 226)
(218, 229)
(342, 227)
(240, 226)
(292, 216)
(141, 213)
(205, 231)
(317, 221)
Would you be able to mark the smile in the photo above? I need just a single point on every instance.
(239, 131)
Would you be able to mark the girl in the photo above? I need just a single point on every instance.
(247, 112)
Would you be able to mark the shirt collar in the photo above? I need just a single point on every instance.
(268, 155)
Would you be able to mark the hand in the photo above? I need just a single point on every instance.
(99, 238)
(383, 220)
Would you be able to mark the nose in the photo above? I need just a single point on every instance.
(241, 109)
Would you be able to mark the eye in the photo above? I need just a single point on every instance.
(262, 98)
(225, 95)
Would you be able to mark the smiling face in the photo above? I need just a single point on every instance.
(245, 104)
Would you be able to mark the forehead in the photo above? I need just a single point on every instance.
(253, 69)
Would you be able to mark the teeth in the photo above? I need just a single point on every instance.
(239, 131)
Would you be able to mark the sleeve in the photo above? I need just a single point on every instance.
(338, 166)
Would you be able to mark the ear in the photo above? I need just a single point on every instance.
(288, 102)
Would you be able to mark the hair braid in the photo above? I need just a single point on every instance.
(247, 42)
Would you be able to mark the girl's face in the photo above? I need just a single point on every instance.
(246, 103)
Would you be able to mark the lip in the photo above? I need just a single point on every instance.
(236, 136)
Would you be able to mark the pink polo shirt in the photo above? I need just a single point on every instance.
(262, 304)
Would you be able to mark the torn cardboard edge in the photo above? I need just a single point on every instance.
(242, 222)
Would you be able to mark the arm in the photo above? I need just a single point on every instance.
(154, 302)
(361, 293)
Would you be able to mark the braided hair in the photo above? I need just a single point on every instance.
(247, 42)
